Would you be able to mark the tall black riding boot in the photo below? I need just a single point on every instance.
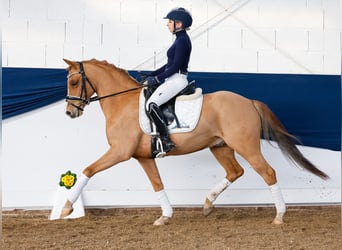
(157, 117)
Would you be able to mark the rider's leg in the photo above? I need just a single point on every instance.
(157, 117)
(171, 87)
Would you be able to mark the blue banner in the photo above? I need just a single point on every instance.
(309, 106)
(25, 89)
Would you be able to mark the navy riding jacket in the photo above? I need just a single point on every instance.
(178, 56)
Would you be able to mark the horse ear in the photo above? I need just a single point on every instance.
(70, 63)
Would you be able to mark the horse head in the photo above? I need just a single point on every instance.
(102, 78)
(80, 89)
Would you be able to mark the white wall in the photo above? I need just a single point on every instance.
(284, 36)
(278, 36)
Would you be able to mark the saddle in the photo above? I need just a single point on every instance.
(180, 114)
(168, 108)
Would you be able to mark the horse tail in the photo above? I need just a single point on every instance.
(273, 129)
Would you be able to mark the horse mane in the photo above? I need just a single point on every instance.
(109, 66)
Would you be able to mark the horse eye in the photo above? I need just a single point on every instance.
(74, 84)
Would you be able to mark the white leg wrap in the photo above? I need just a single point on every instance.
(164, 203)
(76, 190)
(218, 189)
(278, 198)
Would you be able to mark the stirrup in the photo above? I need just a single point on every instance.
(163, 145)
(160, 149)
(160, 155)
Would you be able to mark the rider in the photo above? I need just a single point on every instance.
(172, 77)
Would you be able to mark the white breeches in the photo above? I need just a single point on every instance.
(170, 88)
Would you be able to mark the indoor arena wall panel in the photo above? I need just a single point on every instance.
(63, 9)
(71, 50)
(92, 33)
(293, 39)
(74, 32)
(108, 11)
(54, 53)
(225, 38)
(28, 10)
(46, 32)
(259, 39)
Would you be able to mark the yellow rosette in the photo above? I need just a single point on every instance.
(68, 180)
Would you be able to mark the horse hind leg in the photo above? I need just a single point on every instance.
(260, 165)
(225, 156)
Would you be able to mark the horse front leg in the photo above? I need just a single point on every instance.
(151, 170)
(110, 158)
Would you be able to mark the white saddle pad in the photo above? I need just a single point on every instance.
(188, 110)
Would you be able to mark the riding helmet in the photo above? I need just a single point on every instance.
(180, 14)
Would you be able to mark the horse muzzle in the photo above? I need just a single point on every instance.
(73, 114)
(73, 110)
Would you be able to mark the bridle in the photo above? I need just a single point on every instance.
(83, 96)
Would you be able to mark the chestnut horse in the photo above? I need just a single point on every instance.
(229, 123)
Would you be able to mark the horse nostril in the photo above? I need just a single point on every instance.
(70, 114)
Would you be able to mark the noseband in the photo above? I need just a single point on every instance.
(85, 100)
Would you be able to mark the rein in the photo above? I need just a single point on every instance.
(86, 100)
(97, 98)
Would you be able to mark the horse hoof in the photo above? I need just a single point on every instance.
(207, 210)
(163, 220)
(208, 207)
(67, 210)
(278, 220)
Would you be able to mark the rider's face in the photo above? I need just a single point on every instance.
(170, 25)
